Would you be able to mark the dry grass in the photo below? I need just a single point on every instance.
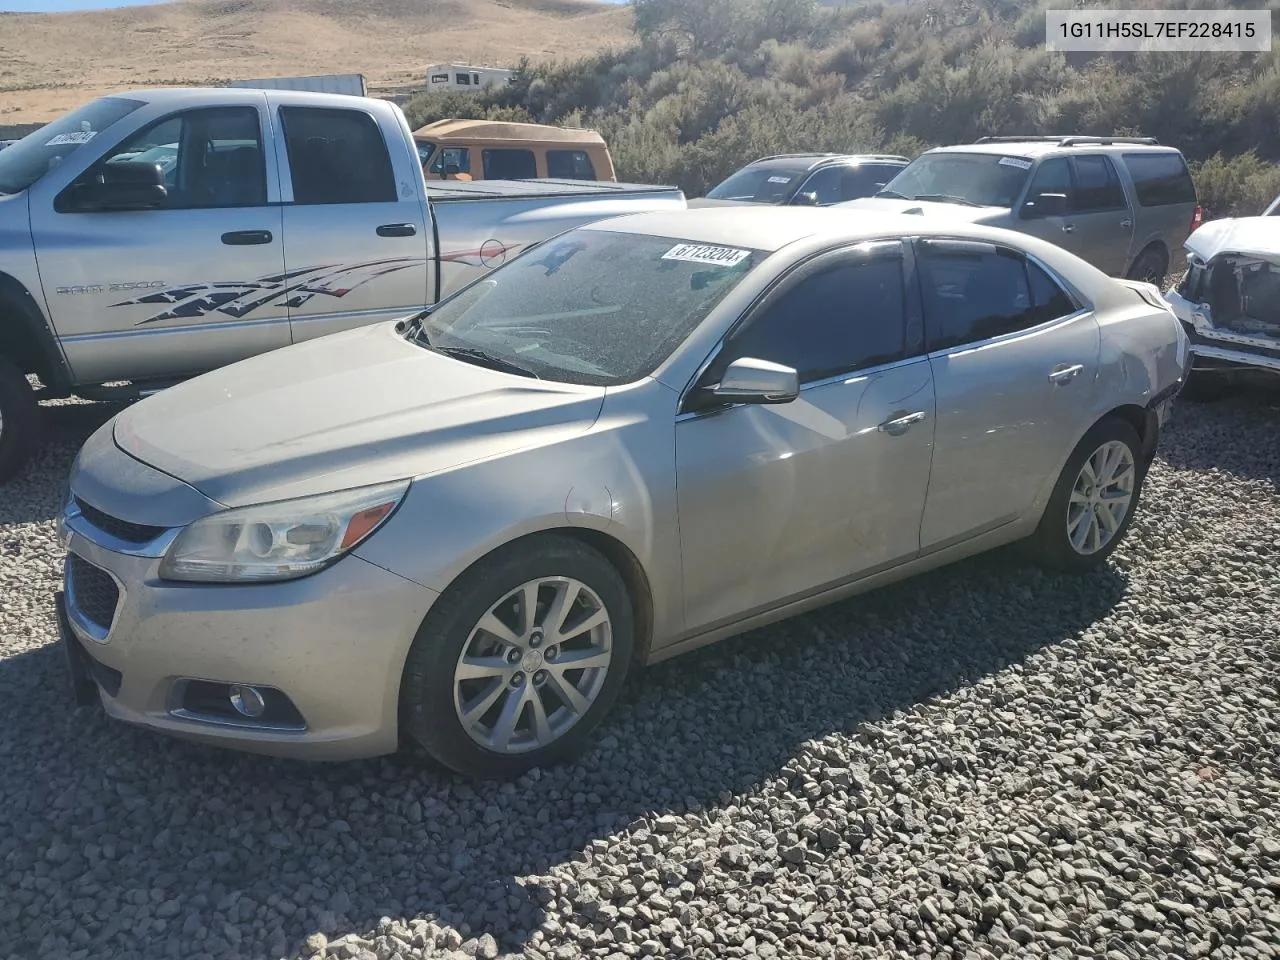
(52, 62)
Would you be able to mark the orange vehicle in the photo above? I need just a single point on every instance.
(497, 150)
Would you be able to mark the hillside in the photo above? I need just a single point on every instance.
(51, 62)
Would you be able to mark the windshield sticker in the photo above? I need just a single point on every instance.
(1015, 162)
(704, 253)
(80, 136)
(779, 179)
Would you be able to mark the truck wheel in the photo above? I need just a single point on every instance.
(19, 420)
(1151, 266)
(1094, 500)
(520, 659)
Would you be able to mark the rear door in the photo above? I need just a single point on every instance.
(1165, 196)
(1100, 214)
(355, 229)
(193, 285)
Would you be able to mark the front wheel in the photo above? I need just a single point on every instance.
(520, 659)
(19, 420)
(1093, 501)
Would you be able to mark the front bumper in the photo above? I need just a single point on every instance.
(1212, 348)
(333, 644)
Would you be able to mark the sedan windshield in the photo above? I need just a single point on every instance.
(759, 185)
(32, 157)
(589, 307)
(982, 179)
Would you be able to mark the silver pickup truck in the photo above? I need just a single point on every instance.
(153, 236)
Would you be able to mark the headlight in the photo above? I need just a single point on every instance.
(279, 541)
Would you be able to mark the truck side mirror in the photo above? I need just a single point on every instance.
(119, 186)
(1045, 205)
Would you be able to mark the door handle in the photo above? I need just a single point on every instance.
(1066, 374)
(1068, 228)
(397, 230)
(1126, 223)
(246, 238)
(896, 426)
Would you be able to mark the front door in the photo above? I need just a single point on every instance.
(356, 225)
(1100, 213)
(779, 501)
(1014, 362)
(165, 292)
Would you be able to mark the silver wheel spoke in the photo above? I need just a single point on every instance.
(491, 625)
(1079, 498)
(481, 706)
(541, 726)
(505, 726)
(1101, 497)
(566, 691)
(593, 620)
(566, 596)
(581, 660)
(529, 607)
(1107, 519)
(480, 668)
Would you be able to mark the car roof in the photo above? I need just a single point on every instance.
(811, 160)
(770, 228)
(1034, 149)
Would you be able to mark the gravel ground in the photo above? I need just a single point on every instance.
(987, 762)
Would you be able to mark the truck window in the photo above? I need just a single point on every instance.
(210, 158)
(1097, 185)
(27, 160)
(509, 165)
(336, 156)
(570, 165)
(1161, 178)
(452, 156)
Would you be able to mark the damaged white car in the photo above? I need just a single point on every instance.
(1229, 302)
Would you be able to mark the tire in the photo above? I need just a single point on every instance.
(1205, 386)
(1051, 545)
(19, 420)
(433, 698)
(1151, 265)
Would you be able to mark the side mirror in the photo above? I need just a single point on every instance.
(1045, 205)
(123, 185)
(808, 198)
(748, 380)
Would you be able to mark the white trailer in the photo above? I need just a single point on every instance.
(461, 76)
(351, 84)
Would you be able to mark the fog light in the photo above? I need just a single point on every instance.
(248, 701)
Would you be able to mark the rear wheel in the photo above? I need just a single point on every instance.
(1151, 265)
(19, 420)
(519, 661)
(1094, 499)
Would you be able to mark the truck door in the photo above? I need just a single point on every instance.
(150, 294)
(354, 223)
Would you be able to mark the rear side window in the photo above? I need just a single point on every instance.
(509, 165)
(449, 157)
(569, 165)
(336, 156)
(1097, 186)
(847, 317)
(1160, 179)
(973, 292)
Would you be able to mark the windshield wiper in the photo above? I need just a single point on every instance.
(945, 198)
(480, 357)
(892, 193)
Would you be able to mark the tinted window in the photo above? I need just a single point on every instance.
(846, 317)
(1097, 186)
(425, 150)
(1052, 178)
(973, 292)
(826, 185)
(209, 158)
(591, 306)
(452, 156)
(986, 179)
(867, 179)
(25, 161)
(336, 156)
(770, 184)
(569, 165)
(509, 165)
(1160, 178)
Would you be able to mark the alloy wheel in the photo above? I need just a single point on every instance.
(1101, 498)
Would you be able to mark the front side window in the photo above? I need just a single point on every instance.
(825, 185)
(1052, 179)
(591, 306)
(845, 317)
(25, 161)
(759, 185)
(972, 179)
(336, 156)
(977, 291)
(211, 158)
(509, 165)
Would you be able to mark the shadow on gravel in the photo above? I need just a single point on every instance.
(125, 843)
(1210, 436)
(36, 494)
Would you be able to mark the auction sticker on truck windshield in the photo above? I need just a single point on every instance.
(80, 136)
(1015, 162)
(705, 253)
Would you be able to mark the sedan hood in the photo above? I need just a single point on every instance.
(928, 208)
(1251, 236)
(342, 411)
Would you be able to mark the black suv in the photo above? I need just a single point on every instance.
(806, 179)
